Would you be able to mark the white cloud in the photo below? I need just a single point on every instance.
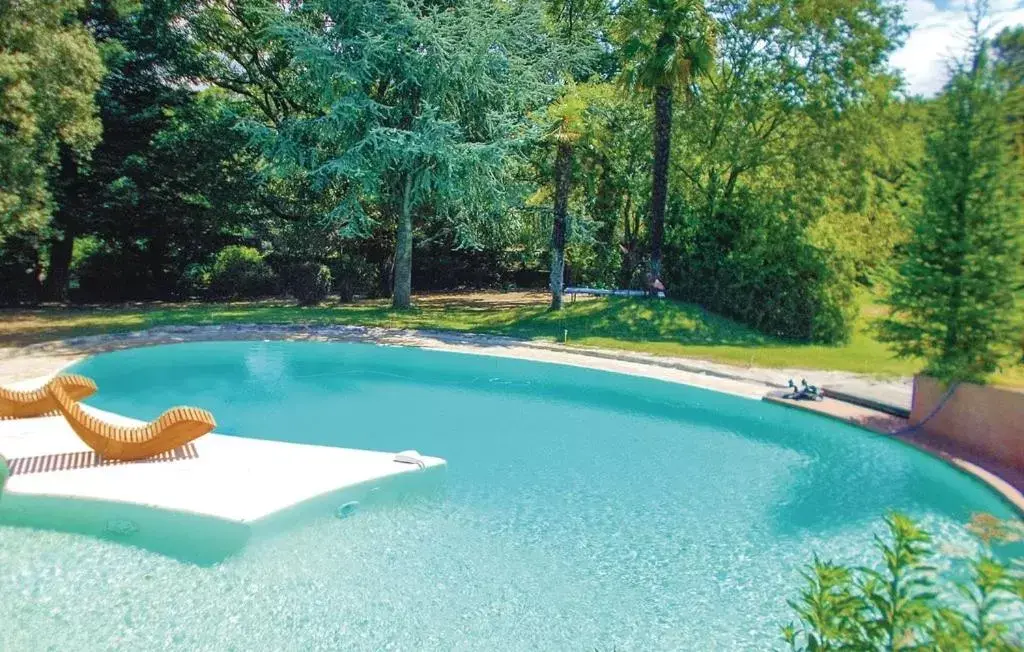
(918, 10)
(941, 33)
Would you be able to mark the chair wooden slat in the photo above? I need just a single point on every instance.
(16, 404)
(175, 427)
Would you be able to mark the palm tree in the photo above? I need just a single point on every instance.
(666, 45)
(567, 114)
(563, 181)
(574, 119)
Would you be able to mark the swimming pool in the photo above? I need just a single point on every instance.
(582, 510)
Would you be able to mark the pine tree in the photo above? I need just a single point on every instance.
(419, 109)
(956, 302)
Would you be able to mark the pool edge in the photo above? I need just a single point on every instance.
(64, 353)
(976, 468)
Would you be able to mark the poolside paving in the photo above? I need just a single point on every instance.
(49, 357)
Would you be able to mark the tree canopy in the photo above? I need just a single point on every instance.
(761, 158)
(50, 70)
(418, 109)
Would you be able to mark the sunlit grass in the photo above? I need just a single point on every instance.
(656, 327)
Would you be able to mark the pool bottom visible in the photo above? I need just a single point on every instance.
(198, 538)
(582, 510)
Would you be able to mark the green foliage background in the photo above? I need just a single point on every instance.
(412, 145)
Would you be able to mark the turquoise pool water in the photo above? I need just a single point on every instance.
(583, 510)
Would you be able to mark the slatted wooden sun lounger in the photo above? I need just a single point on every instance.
(16, 404)
(175, 427)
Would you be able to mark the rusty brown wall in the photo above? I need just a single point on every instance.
(986, 419)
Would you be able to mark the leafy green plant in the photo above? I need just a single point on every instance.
(309, 282)
(906, 604)
(194, 280)
(241, 272)
(111, 273)
(50, 69)
(749, 265)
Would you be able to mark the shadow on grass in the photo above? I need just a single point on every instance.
(658, 327)
(524, 317)
(634, 320)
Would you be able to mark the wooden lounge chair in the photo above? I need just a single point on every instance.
(18, 405)
(175, 427)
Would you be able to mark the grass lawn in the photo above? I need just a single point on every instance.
(657, 327)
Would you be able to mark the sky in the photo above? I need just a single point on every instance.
(939, 31)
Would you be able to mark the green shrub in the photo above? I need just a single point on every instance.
(310, 283)
(114, 271)
(241, 272)
(19, 281)
(905, 604)
(755, 266)
(194, 281)
(110, 273)
(352, 275)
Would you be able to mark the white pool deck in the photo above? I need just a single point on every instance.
(237, 483)
(230, 478)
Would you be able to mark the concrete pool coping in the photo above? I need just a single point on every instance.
(49, 358)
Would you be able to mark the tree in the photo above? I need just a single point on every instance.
(232, 47)
(1008, 55)
(1008, 60)
(667, 44)
(164, 183)
(576, 21)
(419, 108)
(574, 119)
(617, 179)
(956, 301)
(567, 113)
(131, 99)
(50, 70)
(798, 85)
(792, 165)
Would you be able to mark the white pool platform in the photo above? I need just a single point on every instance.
(202, 503)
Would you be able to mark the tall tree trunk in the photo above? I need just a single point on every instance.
(65, 224)
(157, 253)
(402, 296)
(659, 189)
(563, 182)
(628, 245)
(605, 208)
(58, 271)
